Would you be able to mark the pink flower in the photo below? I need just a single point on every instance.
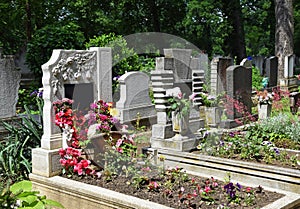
(93, 106)
(180, 95)
(195, 193)
(119, 142)
(192, 96)
(62, 152)
(215, 184)
(207, 189)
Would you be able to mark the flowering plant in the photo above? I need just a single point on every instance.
(264, 97)
(74, 124)
(73, 162)
(211, 100)
(180, 105)
(104, 115)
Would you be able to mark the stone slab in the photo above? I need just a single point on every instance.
(177, 143)
(77, 195)
(258, 174)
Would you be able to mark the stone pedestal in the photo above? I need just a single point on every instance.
(213, 116)
(178, 143)
(264, 111)
(288, 84)
(45, 162)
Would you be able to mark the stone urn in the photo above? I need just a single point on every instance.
(180, 123)
(213, 115)
(264, 110)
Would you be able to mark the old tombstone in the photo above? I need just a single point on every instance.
(9, 85)
(289, 66)
(134, 98)
(82, 75)
(271, 70)
(247, 63)
(258, 62)
(289, 82)
(218, 74)
(239, 88)
(204, 65)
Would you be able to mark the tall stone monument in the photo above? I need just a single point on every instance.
(82, 75)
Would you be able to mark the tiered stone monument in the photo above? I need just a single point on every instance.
(82, 75)
(9, 86)
(177, 70)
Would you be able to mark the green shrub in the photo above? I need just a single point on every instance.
(44, 40)
(256, 79)
(15, 149)
(20, 195)
(124, 59)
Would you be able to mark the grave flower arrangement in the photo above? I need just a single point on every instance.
(211, 100)
(264, 97)
(105, 116)
(75, 125)
(180, 104)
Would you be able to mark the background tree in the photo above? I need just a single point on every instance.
(284, 32)
(259, 25)
(235, 41)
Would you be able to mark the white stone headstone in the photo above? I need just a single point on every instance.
(134, 97)
(289, 62)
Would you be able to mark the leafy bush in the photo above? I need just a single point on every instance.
(15, 149)
(39, 49)
(256, 79)
(284, 124)
(124, 59)
(20, 195)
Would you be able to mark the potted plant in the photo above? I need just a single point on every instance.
(213, 108)
(264, 104)
(179, 109)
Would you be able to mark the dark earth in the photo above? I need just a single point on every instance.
(185, 193)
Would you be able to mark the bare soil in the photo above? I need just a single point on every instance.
(186, 193)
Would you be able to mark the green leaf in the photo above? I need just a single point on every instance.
(21, 186)
(53, 203)
(29, 199)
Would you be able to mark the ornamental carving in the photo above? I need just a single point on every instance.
(79, 66)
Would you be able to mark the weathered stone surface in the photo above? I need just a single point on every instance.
(134, 97)
(82, 75)
(9, 86)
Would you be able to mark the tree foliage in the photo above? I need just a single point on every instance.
(50, 37)
(218, 27)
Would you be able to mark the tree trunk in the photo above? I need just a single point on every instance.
(232, 9)
(28, 20)
(155, 16)
(284, 32)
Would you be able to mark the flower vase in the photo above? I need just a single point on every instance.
(213, 115)
(264, 110)
(180, 123)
